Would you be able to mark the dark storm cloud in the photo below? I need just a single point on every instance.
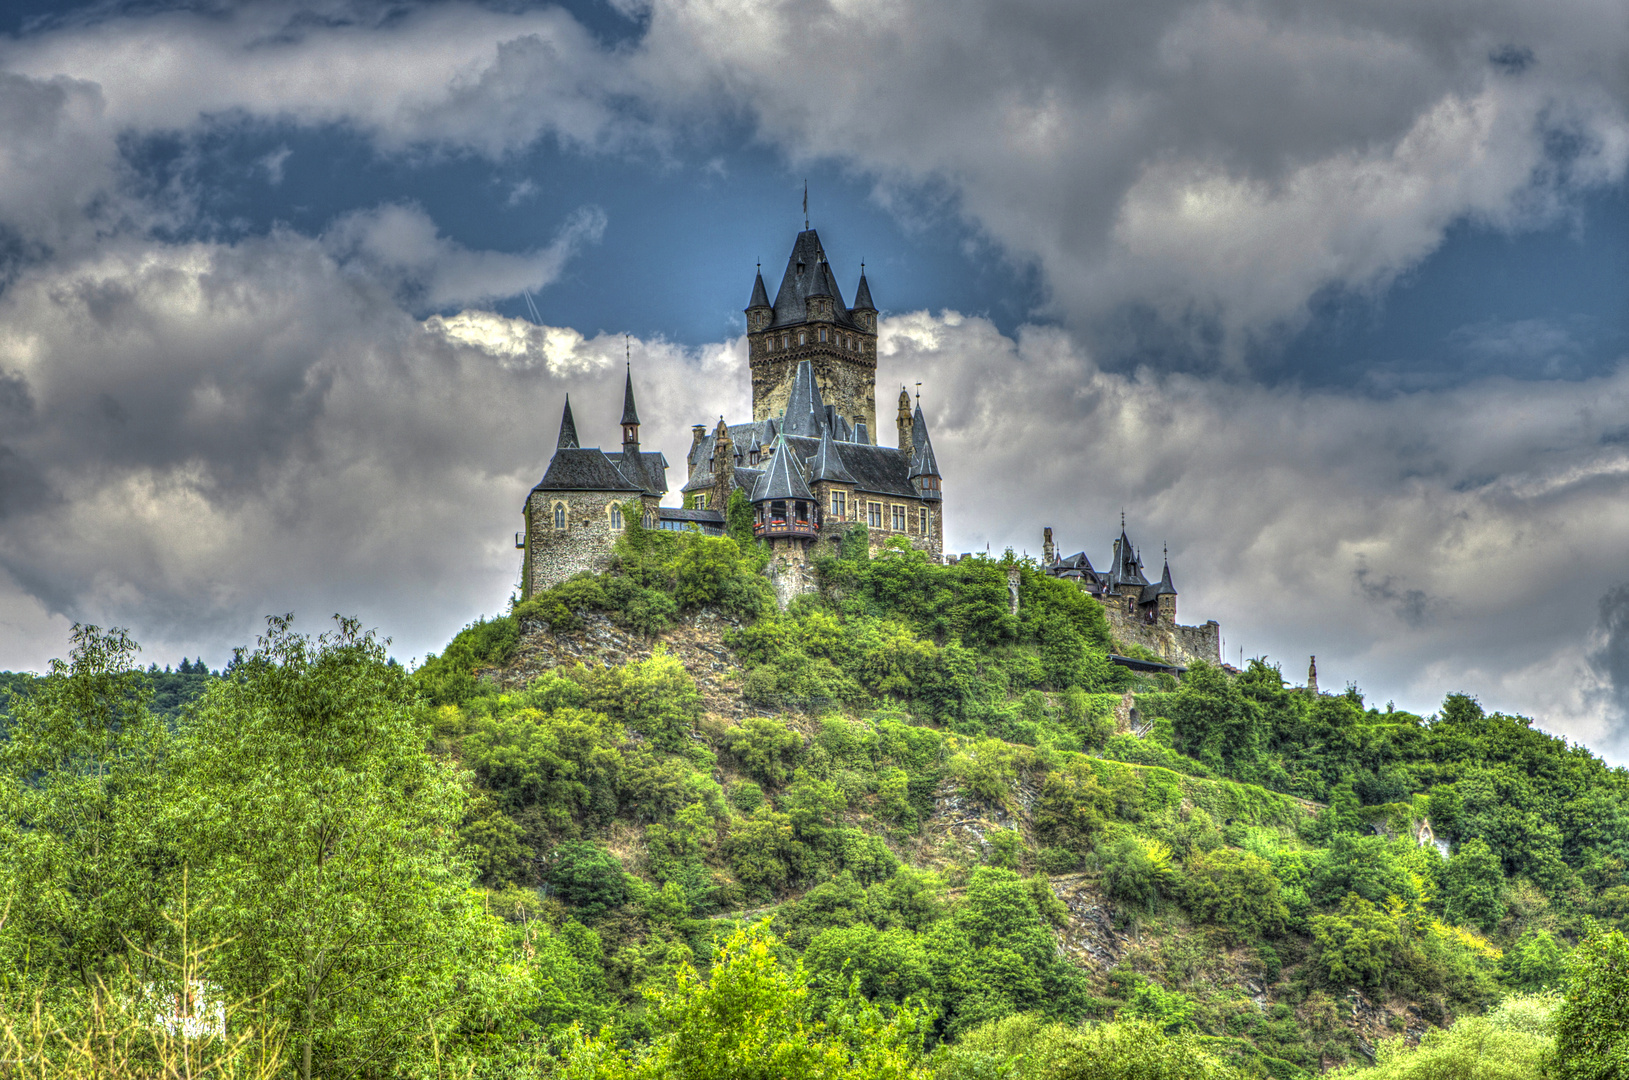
(1610, 660)
(219, 429)
(1215, 164)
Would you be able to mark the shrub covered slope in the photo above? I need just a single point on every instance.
(929, 845)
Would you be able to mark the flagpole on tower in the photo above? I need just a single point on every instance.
(805, 204)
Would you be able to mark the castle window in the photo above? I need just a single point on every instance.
(559, 515)
(873, 515)
(899, 518)
(616, 518)
(784, 340)
(650, 520)
(922, 520)
(803, 337)
(839, 504)
(822, 335)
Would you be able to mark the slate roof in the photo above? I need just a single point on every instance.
(880, 470)
(825, 446)
(827, 465)
(923, 463)
(805, 411)
(760, 296)
(1128, 568)
(568, 429)
(674, 513)
(582, 469)
(862, 294)
(1163, 587)
(807, 274)
(784, 477)
(648, 470)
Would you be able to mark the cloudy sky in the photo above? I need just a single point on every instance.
(1332, 298)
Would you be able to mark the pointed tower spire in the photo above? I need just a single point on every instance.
(630, 414)
(568, 429)
(630, 417)
(862, 294)
(924, 467)
(760, 295)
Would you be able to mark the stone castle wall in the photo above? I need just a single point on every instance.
(1176, 644)
(553, 555)
(847, 379)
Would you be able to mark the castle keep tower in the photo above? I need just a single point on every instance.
(809, 321)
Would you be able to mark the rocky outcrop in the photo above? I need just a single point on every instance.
(697, 641)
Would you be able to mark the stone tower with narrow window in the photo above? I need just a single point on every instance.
(809, 321)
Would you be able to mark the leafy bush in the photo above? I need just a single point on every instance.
(1026, 1047)
(1236, 891)
(1592, 1022)
(586, 876)
(1137, 872)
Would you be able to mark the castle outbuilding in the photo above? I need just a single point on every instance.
(805, 461)
(1140, 611)
(575, 513)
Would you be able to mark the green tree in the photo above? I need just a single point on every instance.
(738, 517)
(1357, 945)
(1592, 1024)
(1473, 886)
(586, 876)
(327, 840)
(1535, 962)
(751, 1018)
(87, 869)
(1137, 872)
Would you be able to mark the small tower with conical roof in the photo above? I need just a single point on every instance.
(759, 313)
(786, 513)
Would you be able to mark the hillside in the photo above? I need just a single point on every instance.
(900, 758)
(647, 824)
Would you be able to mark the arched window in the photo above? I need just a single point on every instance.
(650, 520)
(803, 337)
(559, 515)
(784, 340)
(616, 518)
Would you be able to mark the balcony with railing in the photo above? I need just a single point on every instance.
(776, 520)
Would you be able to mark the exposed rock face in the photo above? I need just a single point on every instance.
(1173, 642)
(697, 641)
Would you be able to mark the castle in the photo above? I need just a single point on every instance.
(1140, 611)
(805, 462)
(807, 467)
